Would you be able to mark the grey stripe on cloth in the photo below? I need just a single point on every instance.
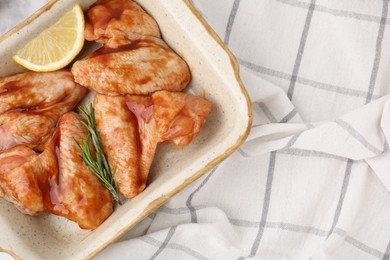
(244, 223)
(386, 255)
(290, 143)
(243, 153)
(385, 145)
(171, 232)
(296, 228)
(287, 227)
(292, 140)
(310, 153)
(343, 191)
(289, 116)
(154, 242)
(365, 248)
(335, 12)
(360, 138)
(152, 215)
(252, 224)
(179, 211)
(280, 225)
(194, 217)
(304, 81)
(266, 204)
(295, 137)
(266, 111)
(378, 51)
(230, 23)
(301, 49)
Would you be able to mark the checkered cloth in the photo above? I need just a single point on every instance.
(312, 180)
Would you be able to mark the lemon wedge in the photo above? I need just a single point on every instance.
(55, 47)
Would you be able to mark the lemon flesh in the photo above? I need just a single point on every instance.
(55, 47)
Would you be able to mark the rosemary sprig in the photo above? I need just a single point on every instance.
(97, 161)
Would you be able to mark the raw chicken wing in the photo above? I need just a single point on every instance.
(113, 18)
(33, 90)
(57, 180)
(33, 104)
(18, 186)
(73, 191)
(164, 116)
(140, 67)
(119, 132)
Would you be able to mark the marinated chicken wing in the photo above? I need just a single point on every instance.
(164, 116)
(133, 60)
(71, 190)
(18, 186)
(140, 67)
(34, 103)
(179, 116)
(33, 90)
(57, 180)
(113, 18)
(119, 132)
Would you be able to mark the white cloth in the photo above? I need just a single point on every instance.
(312, 181)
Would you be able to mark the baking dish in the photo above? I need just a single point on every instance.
(215, 76)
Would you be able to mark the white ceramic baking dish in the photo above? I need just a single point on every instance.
(214, 75)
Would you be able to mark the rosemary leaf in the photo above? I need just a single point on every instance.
(97, 162)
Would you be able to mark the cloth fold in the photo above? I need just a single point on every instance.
(358, 135)
(312, 180)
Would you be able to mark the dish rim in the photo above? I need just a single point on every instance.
(154, 205)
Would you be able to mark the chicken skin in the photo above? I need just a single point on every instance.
(113, 18)
(70, 189)
(33, 90)
(119, 132)
(57, 180)
(18, 186)
(145, 121)
(134, 60)
(140, 67)
(31, 104)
